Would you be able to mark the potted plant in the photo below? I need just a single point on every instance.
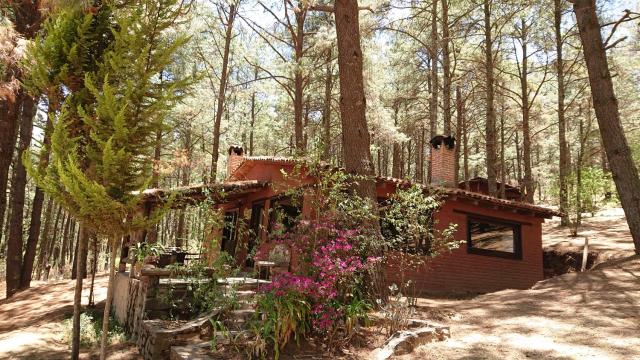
(145, 253)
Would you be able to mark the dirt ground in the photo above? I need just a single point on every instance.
(607, 232)
(590, 315)
(31, 322)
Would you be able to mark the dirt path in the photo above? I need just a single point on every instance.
(31, 322)
(590, 315)
(607, 231)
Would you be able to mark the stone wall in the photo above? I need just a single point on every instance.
(121, 297)
(156, 337)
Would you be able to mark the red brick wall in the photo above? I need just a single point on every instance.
(461, 272)
(235, 158)
(443, 165)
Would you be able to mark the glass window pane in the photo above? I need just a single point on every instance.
(492, 236)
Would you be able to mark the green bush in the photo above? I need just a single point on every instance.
(91, 330)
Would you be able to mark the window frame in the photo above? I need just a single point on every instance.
(517, 238)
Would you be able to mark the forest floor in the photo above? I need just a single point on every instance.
(589, 315)
(33, 326)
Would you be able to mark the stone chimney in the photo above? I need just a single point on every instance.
(443, 161)
(235, 158)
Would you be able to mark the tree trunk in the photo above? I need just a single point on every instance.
(80, 253)
(526, 132)
(44, 238)
(433, 77)
(465, 146)
(356, 139)
(490, 124)
(459, 132)
(396, 169)
(113, 244)
(419, 152)
(47, 263)
(253, 113)
(94, 268)
(36, 213)
(326, 112)
(66, 239)
(563, 163)
(224, 75)
(625, 173)
(9, 124)
(18, 186)
(186, 176)
(298, 80)
(446, 69)
(77, 297)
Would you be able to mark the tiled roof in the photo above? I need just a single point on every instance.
(517, 205)
(218, 191)
(540, 210)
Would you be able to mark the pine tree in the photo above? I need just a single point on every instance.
(109, 58)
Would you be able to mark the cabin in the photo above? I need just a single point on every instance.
(502, 238)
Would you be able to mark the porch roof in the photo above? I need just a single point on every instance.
(218, 193)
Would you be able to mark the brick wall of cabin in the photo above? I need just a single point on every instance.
(461, 272)
(456, 272)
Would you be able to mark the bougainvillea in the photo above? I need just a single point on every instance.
(328, 271)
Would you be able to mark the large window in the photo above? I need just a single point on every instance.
(486, 236)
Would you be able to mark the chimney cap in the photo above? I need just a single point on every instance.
(237, 150)
(448, 141)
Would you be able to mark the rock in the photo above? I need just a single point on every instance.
(403, 342)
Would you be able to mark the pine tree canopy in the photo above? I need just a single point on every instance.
(109, 67)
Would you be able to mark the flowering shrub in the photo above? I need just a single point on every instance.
(339, 251)
(317, 298)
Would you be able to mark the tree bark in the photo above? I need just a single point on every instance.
(526, 129)
(28, 17)
(396, 156)
(490, 123)
(66, 238)
(94, 268)
(625, 173)
(563, 163)
(36, 213)
(224, 75)
(81, 252)
(253, 113)
(433, 77)
(18, 187)
(459, 132)
(9, 125)
(77, 297)
(356, 139)
(326, 111)
(47, 263)
(113, 244)
(44, 236)
(446, 69)
(186, 175)
(298, 79)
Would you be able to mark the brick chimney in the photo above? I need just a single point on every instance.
(235, 158)
(443, 161)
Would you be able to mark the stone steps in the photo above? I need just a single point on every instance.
(244, 290)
